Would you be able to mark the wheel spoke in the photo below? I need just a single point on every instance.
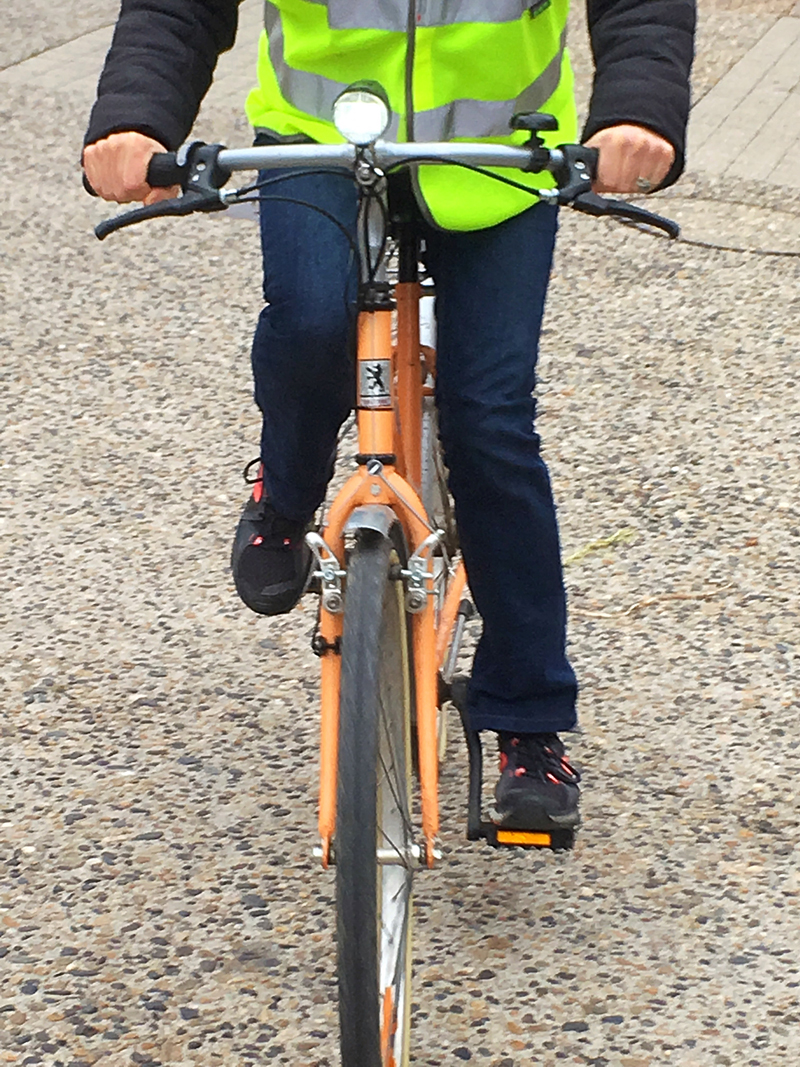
(392, 789)
(401, 797)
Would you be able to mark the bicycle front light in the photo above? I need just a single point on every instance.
(361, 113)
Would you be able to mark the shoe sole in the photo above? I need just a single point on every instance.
(272, 603)
(535, 819)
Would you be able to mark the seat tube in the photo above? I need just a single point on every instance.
(409, 367)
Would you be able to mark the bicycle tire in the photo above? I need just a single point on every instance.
(374, 900)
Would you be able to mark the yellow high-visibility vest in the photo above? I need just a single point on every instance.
(467, 67)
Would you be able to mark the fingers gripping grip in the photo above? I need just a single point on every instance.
(169, 168)
(163, 172)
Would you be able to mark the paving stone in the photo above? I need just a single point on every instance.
(748, 121)
(770, 145)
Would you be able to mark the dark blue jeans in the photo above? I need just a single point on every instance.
(490, 293)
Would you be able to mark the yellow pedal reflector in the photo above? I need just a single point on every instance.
(523, 837)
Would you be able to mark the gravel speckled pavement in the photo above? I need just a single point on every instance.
(158, 901)
(34, 28)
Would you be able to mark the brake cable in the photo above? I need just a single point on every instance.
(300, 203)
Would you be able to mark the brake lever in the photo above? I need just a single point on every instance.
(590, 203)
(183, 205)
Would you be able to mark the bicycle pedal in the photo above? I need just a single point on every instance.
(499, 837)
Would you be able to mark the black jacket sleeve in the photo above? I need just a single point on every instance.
(643, 52)
(160, 65)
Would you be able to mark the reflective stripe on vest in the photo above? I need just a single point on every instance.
(312, 93)
(315, 94)
(392, 15)
(469, 66)
(487, 118)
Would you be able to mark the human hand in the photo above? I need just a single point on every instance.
(117, 168)
(631, 157)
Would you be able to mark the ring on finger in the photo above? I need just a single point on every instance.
(644, 185)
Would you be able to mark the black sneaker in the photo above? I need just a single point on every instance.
(270, 559)
(538, 788)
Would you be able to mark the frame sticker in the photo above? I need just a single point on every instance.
(375, 383)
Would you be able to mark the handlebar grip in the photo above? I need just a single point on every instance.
(165, 171)
(87, 185)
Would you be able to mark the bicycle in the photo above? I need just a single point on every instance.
(392, 588)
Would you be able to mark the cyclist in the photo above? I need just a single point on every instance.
(458, 69)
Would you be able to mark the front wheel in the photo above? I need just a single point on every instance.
(374, 834)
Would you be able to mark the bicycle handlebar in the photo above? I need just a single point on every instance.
(202, 170)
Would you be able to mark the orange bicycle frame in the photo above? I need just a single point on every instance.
(389, 435)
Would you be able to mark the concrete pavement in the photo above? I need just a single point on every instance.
(158, 900)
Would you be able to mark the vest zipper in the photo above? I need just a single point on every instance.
(411, 41)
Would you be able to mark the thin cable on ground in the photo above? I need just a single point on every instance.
(731, 248)
(643, 228)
